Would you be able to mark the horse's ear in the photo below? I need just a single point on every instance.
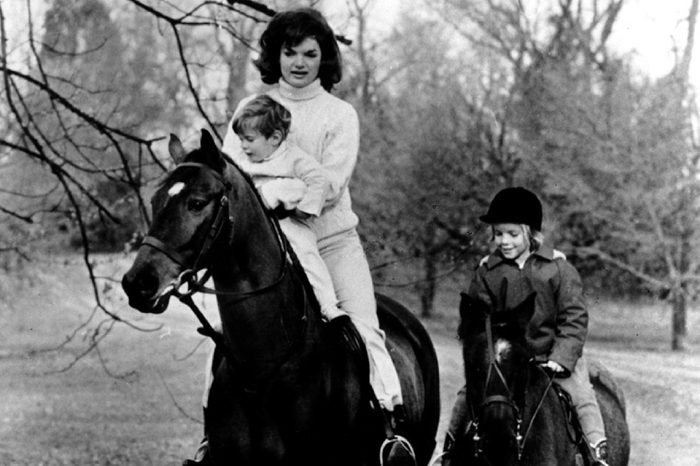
(523, 312)
(213, 155)
(472, 312)
(177, 151)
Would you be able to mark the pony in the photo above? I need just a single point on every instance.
(288, 388)
(516, 415)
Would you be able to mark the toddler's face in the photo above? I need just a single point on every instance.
(256, 146)
(511, 240)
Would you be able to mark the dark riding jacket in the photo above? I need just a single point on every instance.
(559, 325)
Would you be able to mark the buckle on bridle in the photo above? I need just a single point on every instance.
(188, 279)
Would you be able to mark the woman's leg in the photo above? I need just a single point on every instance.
(347, 264)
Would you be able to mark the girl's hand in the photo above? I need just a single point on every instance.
(554, 367)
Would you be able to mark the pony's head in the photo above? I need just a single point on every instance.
(496, 362)
(190, 215)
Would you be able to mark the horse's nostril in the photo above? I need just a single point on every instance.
(140, 285)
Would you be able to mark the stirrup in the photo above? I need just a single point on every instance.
(447, 447)
(401, 441)
(201, 457)
(600, 453)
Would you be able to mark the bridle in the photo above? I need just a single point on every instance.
(188, 283)
(508, 400)
(214, 229)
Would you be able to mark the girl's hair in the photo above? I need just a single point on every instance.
(290, 28)
(264, 115)
(534, 237)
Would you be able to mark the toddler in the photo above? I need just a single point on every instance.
(290, 180)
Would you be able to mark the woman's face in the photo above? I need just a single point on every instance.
(299, 64)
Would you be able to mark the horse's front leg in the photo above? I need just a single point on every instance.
(227, 424)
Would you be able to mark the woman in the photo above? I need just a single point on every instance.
(301, 61)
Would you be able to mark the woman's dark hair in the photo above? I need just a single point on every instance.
(290, 28)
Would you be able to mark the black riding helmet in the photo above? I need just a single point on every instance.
(515, 205)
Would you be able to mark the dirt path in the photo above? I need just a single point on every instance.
(662, 391)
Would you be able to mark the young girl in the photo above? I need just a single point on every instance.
(557, 331)
(289, 180)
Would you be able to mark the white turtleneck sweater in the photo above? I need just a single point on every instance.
(327, 128)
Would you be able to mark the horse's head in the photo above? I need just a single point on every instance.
(190, 214)
(496, 361)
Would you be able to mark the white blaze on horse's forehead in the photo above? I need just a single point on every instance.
(502, 348)
(176, 189)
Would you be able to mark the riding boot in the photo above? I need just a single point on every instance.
(396, 449)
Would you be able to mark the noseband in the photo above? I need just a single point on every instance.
(507, 400)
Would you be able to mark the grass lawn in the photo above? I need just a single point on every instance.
(136, 400)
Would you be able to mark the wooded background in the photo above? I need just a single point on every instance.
(457, 100)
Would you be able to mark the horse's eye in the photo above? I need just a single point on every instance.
(196, 204)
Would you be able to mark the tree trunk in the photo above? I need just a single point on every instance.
(237, 68)
(429, 286)
(678, 322)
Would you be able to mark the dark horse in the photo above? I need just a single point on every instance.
(515, 415)
(286, 390)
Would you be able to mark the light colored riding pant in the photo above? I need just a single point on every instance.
(578, 385)
(347, 264)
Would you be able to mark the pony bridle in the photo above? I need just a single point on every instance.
(189, 275)
(508, 400)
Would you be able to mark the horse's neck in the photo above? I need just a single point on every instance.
(264, 325)
(252, 256)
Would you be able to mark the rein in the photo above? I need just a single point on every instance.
(503, 399)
